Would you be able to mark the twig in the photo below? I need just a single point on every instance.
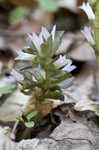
(12, 135)
(75, 139)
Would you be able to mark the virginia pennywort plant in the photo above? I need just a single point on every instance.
(38, 73)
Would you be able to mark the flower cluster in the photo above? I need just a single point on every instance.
(88, 10)
(35, 42)
(65, 64)
(87, 31)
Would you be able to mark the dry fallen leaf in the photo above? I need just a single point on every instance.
(87, 105)
(71, 5)
(5, 141)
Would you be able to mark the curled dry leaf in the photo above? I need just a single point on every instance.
(87, 105)
(73, 45)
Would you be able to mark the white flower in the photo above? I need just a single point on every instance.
(34, 79)
(24, 56)
(69, 67)
(88, 10)
(65, 63)
(44, 34)
(17, 75)
(62, 61)
(36, 40)
(87, 32)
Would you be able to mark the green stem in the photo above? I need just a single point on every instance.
(96, 31)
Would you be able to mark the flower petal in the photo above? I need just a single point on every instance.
(65, 63)
(17, 75)
(69, 68)
(53, 32)
(88, 10)
(45, 33)
(35, 40)
(88, 34)
(24, 56)
(62, 61)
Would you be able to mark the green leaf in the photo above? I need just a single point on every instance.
(60, 78)
(23, 65)
(17, 14)
(26, 83)
(28, 75)
(29, 124)
(30, 50)
(31, 115)
(66, 83)
(46, 49)
(28, 92)
(96, 23)
(49, 5)
(58, 36)
(19, 118)
(54, 94)
(7, 89)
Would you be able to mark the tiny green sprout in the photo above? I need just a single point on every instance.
(19, 118)
(31, 115)
(29, 124)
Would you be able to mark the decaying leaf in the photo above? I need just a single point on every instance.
(5, 141)
(13, 104)
(87, 105)
(71, 5)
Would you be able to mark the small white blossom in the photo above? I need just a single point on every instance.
(87, 32)
(24, 56)
(65, 63)
(88, 10)
(36, 40)
(62, 61)
(69, 67)
(44, 34)
(17, 75)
